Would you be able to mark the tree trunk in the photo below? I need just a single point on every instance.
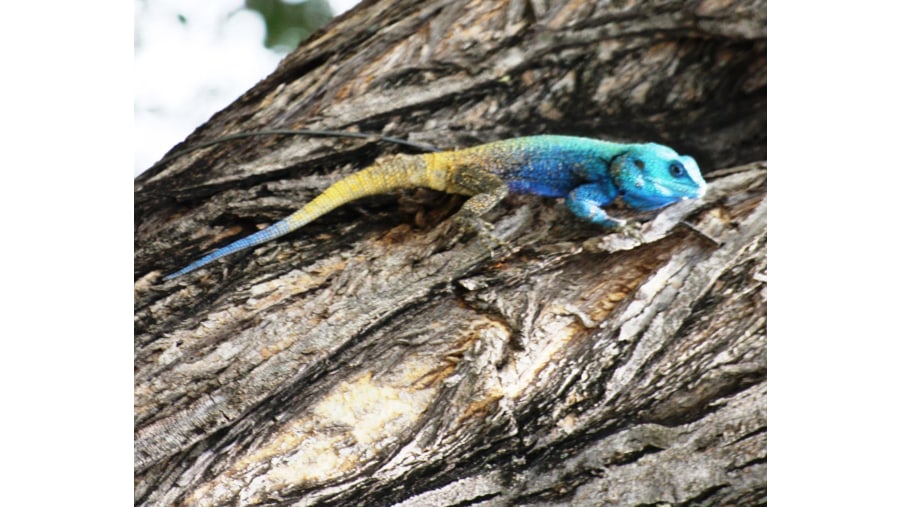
(376, 358)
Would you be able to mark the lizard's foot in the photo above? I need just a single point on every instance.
(631, 230)
(467, 223)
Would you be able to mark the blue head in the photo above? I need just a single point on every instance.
(650, 176)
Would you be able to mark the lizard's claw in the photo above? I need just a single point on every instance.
(467, 223)
(631, 230)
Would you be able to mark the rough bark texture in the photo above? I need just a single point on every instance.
(373, 359)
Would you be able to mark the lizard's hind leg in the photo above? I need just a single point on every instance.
(486, 191)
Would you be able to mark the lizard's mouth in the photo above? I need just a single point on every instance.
(657, 193)
(700, 191)
(674, 191)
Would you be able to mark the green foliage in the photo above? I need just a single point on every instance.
(288, 23)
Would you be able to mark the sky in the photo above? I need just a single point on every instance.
(184, 72)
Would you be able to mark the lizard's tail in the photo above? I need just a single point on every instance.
(402, 171)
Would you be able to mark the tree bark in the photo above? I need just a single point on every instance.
(376, 358)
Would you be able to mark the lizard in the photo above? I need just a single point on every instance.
(589, 173)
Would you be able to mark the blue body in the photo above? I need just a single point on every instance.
(591, 173)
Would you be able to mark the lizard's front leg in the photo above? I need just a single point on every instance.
(587, 201)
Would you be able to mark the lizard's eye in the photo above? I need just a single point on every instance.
(639, 163)
(676, 169)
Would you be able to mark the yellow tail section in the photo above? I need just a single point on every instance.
(392, 173)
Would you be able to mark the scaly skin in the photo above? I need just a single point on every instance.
(589, 173)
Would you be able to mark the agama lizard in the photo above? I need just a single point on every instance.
(589, 173)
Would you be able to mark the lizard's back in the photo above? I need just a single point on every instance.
(549, 166)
